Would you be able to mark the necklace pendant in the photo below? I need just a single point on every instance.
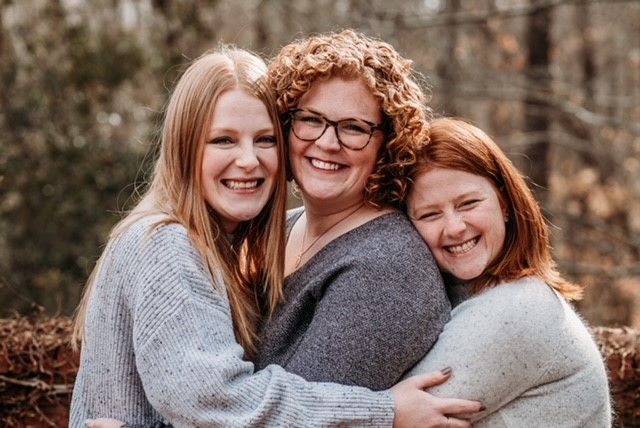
(298, 260)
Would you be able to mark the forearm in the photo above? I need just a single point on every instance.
(191, 386)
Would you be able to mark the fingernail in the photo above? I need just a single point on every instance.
(482, 408)
(88, 422)
(446, 371)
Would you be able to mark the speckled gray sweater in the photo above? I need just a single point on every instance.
(526, 355)
(361, 311)
(159, 345)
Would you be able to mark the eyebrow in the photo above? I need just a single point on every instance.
(472, 193)
(336, 120)
(222, 130)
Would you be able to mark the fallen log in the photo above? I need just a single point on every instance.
(37, 371)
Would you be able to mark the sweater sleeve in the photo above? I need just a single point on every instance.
(500, 344)
(192, 369)
(380, 311)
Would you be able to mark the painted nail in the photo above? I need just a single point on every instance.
(446, 371)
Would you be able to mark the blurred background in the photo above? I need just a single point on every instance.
(83, 83)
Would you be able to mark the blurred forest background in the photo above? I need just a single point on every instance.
(83, 83)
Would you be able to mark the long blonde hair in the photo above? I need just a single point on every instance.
(252, 264)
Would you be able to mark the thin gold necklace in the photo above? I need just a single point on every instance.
(304, 251)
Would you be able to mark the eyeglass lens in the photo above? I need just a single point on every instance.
(352, 133)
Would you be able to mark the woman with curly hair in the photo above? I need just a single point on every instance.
(364, 297)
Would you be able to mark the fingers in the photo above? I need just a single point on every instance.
(448, 406)
(103, 423)
(416, 407)
(427, 380)
(457, 406)
(456, 423)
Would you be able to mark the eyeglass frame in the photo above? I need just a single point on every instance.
(335, 123)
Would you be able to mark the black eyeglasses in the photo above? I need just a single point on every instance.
(353, 134)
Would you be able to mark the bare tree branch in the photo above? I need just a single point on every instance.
(549, 100)
(414, 21)
(41, 385)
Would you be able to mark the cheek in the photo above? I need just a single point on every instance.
(211, 161)
(427, 233)
(367, 160)
(295, 146)
(270, 160)
(500, 236)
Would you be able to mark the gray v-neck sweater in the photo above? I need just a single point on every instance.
(362, 311)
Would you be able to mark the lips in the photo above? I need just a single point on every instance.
(462, 248)
(327, 166)
(243, 184)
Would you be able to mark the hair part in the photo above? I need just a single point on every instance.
(252, 265)
(388, 76)
(456, 144)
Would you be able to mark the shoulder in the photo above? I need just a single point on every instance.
(392, 231)
(156, 233)
(529, 293)
(392, 243)
(388, 252)
(526, 308)
(164, 258)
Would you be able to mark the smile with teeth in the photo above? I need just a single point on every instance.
(242, 185)
(462, 248)
(325, 165)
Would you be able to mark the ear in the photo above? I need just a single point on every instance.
(505, 215)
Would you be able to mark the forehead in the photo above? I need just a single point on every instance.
(235, 106)
(341, 97)
(440, 185)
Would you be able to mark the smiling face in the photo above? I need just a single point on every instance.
(240, 158)
(327, 173)
(459, 216)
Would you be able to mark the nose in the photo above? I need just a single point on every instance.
(247, 157)
(454, 224)
(329, 139)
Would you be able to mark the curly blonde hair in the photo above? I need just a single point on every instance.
(389, 77)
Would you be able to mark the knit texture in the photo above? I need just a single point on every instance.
(523, 352)
(361, 311)
(160, 346)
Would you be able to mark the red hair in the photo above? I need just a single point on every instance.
(456, 144)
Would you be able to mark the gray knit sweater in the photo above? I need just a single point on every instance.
(361, 311)
(523, 352)
(159, 345)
